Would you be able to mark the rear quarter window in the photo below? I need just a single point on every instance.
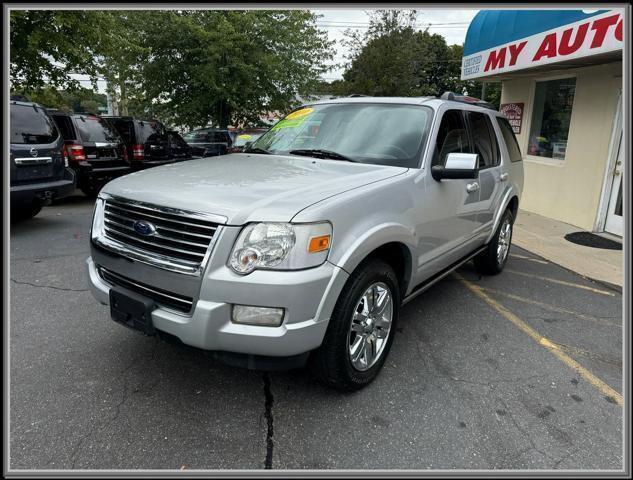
(149, 129)
(125, 127)
(29, 124)
(510, 140)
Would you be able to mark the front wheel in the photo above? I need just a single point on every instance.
(492, 260)
(361, 329)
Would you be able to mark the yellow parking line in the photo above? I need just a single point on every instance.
(601, 386)
(554, 308)
(561, 282)
(523, 257)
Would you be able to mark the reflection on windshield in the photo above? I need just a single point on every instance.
(386, 134)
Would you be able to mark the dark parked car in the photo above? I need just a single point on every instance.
(209, 142)
(180, 150)
(244, 138)
(38, 167)
(95, 150)
(147, 141)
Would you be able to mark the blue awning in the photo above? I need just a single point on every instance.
(491, 28)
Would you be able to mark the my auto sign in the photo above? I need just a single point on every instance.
(599, 34)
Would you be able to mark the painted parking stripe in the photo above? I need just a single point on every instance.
(601, 386)
(523, 257)
(554, 308)
(561, 282)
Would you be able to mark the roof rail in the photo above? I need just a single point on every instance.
(19, 98)
(357, 95)
(455, 97)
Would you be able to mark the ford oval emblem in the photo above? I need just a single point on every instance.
(144, 228)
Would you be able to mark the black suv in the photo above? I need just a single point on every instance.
(180, 150)
(38, 167)
(95, 150)
(209, 142)
(147, 141)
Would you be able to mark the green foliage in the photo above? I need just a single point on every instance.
(226, 66)
(72, 100)
(47, 45)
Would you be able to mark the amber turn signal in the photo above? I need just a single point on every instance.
(318, 244)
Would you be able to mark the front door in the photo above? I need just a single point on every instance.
(615, 220)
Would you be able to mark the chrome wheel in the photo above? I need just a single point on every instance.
(503, 244)
(371, 324)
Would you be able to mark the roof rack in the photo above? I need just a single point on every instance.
(455, 97)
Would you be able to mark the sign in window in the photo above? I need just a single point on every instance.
(551, 115)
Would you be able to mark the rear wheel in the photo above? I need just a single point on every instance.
(492, 260)
(361, 330)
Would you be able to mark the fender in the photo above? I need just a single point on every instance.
(511, 192)
(351, 254)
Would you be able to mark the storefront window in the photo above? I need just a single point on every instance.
(551, 115)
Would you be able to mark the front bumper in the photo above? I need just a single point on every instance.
(308, 297)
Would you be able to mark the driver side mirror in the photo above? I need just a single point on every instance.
(457, 166)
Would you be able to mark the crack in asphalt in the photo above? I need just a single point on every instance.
(268, 406)
(18, 282)
(125, 395)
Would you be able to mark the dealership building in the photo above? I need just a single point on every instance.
(561, 75)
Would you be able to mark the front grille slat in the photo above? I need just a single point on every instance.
(182, 238)
(160, 296)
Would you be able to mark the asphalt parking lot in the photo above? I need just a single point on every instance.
(518, 371)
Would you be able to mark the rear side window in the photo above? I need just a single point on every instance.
(31, 125)
(95, 129)
(65, 125)
(452, 137)
(149, 131)
(125, 128)
(510, 139)
(484, 139)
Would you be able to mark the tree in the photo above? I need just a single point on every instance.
(228, 66)
(48, 45)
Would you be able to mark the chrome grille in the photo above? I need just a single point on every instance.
(179, 237)
(161, 297)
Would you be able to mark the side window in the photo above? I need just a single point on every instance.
(510, 140)
(65, 127)
(452, 137)
(484, 139)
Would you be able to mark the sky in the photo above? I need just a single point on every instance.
(452, 24)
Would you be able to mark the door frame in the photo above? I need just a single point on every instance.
(617, 135)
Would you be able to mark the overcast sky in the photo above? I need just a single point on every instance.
(452, 24)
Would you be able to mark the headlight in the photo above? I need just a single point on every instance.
(280, 246)
(97, 219)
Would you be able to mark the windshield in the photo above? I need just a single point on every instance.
(94, 129)
(244, 138)
(29, 124)
(385, 134)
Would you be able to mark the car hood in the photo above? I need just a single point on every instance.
(247, 187)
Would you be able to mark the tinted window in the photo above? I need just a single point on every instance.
(511, 141)
(31, 125)
(150, 132)
(384, 134)
(94, 129)
(176, 140)
(484, 140)
(243, 138)
(125, 127)
(452, 137)
(64, 123)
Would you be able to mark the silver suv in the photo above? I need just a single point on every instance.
(303, 248)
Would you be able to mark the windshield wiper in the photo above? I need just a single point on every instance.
(319, 153)
(257, 150)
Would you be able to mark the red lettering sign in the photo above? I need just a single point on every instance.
(547, 48)
(496, 60)
(565, 48)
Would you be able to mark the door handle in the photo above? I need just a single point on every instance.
(472, 187)
(503, 177)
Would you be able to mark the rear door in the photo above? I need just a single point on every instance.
(485, 144)
(102, 144)
(36, 145)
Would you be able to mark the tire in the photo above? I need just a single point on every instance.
(90, 191)
(492, 260)
(25, 212)
(331, 362)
